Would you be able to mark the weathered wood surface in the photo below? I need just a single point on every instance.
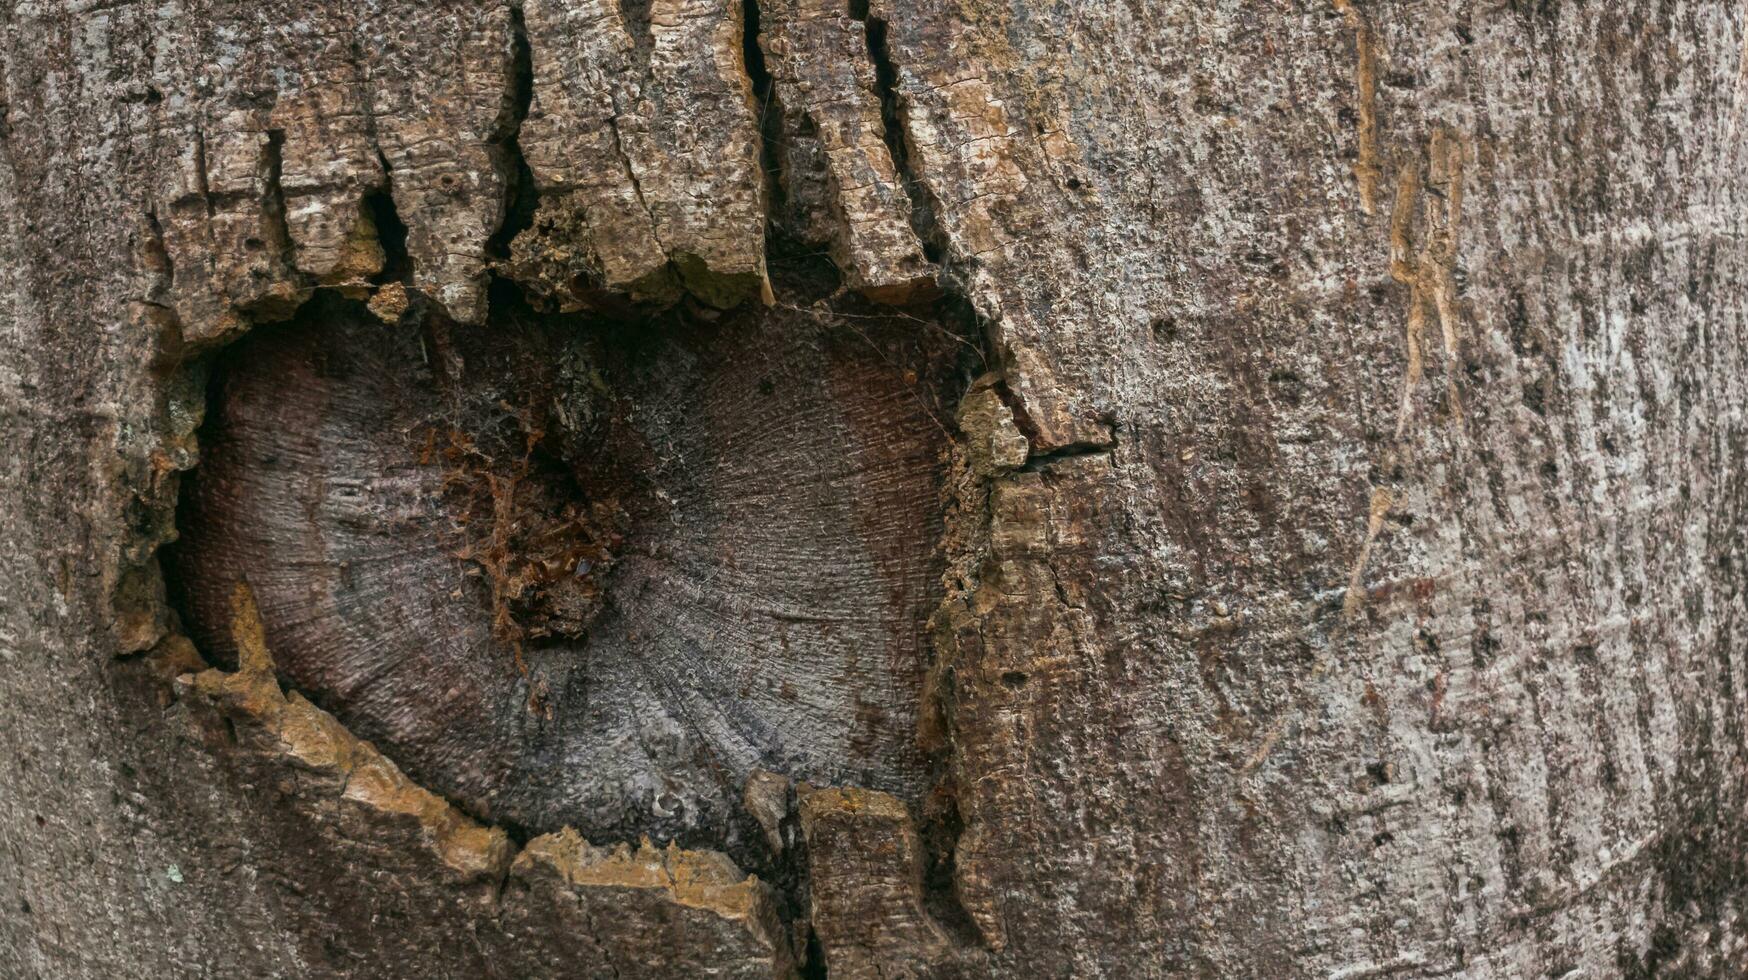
(1338, 571)
(574, 578)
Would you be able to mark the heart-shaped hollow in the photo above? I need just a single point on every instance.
(572, 572)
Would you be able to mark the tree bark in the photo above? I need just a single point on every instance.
(661, 488)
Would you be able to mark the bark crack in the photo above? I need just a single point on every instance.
(273, 202)
(923, 220)
(202, 179)
(1074, 450)
(764, 93)
(521, 196)
(391, 231)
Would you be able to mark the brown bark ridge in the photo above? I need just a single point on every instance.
(689, 487)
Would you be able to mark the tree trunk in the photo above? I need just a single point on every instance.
(675, 488)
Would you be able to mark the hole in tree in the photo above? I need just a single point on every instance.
(572, 570)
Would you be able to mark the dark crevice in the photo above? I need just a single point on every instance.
(786, 871)
(812, 966)
(940, 831)
(520, 196)
(391, 233)
(273, 200)
(1028, 427)
(770, 114)
(922, 208)
(201, 178)
(359, 62)
(925, 222)
(636, 16)
(957, 315)
(940, 823)
(801, 273)
(519, 835)
(157, 251)
(1016, 406)
(273, 163)
(1073, 450)
(275, 231)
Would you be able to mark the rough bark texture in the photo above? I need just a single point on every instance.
(1256, 490)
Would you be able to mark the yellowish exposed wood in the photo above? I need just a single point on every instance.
(1366, 169)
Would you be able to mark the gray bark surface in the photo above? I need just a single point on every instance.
(928, 489)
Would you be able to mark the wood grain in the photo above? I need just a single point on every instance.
(766, 561)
